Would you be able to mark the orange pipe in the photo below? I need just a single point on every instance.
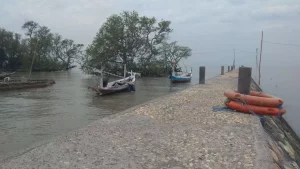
(270, 111)
(255, 98)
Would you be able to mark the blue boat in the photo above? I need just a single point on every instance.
(180, 77)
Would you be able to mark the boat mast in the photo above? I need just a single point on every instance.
(173, 68)
(261, 46)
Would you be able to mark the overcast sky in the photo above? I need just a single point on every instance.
(203, 25)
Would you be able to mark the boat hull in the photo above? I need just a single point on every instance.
(106, 91)
(4, 75)
(175, 79)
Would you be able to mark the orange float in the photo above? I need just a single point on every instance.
(260, 94)
(255, 98)
(271, 111)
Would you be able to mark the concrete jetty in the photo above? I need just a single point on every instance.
(176, 131)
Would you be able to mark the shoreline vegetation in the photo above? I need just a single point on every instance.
(139, 42)
(38, 50)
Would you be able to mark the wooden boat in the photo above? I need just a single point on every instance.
(121, 85)
(180, 77)
(17, 84)
(4, 75)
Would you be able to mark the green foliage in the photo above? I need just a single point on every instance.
(137, 41)
(47, 51)
(12, 50)
(171, 52)
(128, 39)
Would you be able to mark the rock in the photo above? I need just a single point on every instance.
(276, 166)
(275, 158)
(295, 165)
(66, 163)
(274, 147)
(288, 148)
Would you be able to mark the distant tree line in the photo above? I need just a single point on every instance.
(39, 50)
(138, 41)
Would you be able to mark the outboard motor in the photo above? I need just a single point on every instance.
(105, 82)
(131, 87)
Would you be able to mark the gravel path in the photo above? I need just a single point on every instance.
(177, 131)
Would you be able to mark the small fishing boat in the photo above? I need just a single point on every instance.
(121, 85)
(4, 75)
(19, 84)
(179, 76)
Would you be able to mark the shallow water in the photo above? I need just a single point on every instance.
(33, 115)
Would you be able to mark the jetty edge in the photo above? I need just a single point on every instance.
(176, 131)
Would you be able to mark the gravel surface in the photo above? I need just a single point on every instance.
(176, 131)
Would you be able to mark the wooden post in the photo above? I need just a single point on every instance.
(233, 65)
(244, 80)
(222, 70)
(202, 75)
(228, 68)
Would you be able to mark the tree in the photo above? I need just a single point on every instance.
(126, 38)
(50, 51)
(171, 52)
(40, 51)
(31, 27)
(66, 50)
(11, 50)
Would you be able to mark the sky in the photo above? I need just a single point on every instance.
(212, 28)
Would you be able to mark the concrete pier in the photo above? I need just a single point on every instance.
(177, 131)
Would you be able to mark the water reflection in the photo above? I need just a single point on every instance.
(32, 115)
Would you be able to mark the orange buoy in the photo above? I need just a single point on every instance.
(270, 111)
(255, 98)
(260, 94)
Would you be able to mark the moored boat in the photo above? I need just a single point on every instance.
(4, 75)
(125, 84)
(18, 84)
(179, 76)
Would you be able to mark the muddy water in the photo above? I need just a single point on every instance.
(31, 116)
